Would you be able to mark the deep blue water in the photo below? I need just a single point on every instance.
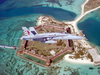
(91, 29)
(57, 13)
(2, 1)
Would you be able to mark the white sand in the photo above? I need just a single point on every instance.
(84, 61)
(82, 14)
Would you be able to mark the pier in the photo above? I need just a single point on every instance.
(11, 47)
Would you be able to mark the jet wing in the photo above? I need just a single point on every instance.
(69, 37)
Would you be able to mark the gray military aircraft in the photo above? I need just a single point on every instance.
(32, 35)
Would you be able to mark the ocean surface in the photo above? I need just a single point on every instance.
(17, 13)
(57, 13)
(90, 25)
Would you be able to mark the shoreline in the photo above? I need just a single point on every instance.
(74, 23)
(80, 61)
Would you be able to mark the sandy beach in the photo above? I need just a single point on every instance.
(82, 14)
(84, 61)
(74, 23)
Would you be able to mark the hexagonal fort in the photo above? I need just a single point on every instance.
(42, 53)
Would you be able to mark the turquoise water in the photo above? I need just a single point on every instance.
(10, 27)
(57, 13)
(69, 68)
(90, 25)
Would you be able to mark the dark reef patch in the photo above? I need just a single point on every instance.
(98, 67)
(91, 68)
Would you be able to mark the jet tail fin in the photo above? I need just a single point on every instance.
(26, 31)
(31, 31)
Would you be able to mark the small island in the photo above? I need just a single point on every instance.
(91, 4)
(46, 54)
(49, 54)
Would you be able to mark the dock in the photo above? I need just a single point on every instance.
(11, 47)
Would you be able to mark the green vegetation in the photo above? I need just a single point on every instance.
(60, 24)
(76, 56)
(83, 49)
(53, 22)
(57, 51)
(45, 53)
(64, 45)
(43, 48)
(60, 57)
(27, 48)
(34, 59)
(90, 57)
(60, 42)
(80, 52)
(37, 51)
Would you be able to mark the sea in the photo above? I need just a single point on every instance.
(14, 14)
(90, 24)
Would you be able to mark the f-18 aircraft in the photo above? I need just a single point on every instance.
(32, 35)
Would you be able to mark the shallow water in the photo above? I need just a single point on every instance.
(10, 28)
(90, 25)
(57, 13)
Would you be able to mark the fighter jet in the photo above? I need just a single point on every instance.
(32, 35)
